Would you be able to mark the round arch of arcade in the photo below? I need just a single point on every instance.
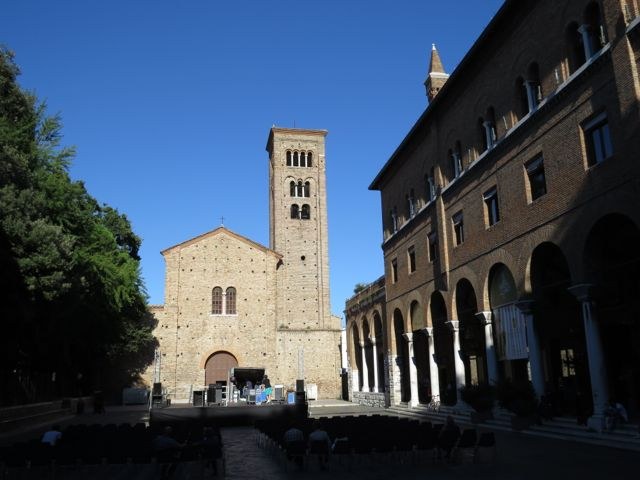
(533, 319)
(365, 337)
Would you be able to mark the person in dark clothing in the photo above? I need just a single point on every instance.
(211, 447)
(448, 437)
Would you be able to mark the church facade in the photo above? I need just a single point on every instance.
(231, 302)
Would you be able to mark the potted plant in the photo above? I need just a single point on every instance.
(479, 397)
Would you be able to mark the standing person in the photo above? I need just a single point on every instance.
(266, 386)
(448, 437)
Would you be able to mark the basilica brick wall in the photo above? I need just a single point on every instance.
(264, 307)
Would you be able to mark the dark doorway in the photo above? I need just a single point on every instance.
(558, 322)
(612, 257)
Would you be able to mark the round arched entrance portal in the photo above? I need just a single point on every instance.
(216, 369)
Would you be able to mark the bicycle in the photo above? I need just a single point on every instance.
(434, 404)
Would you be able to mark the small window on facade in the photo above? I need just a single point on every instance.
(575, 47)
(522, 98)
(216, 301)
(533, 87)
(597, 139)
(411, 254)
(288, 158)
(305, 213)
(593, 34)
(456, 163)
(430, 186)
(490, 129)
(482, 135)
(535, 175)
(433, 246)
(307, 189)
(394, 220)
(411, 204)
(394, 270)
(303, 159)
(295, 211)
(309, 157)
(458, 228)
(490, 198)
(295, 159)
(300, 189)
(231, 301)
(292, 188)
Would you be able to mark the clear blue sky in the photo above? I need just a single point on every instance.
(170, 104)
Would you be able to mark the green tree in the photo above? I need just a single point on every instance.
(71, 266)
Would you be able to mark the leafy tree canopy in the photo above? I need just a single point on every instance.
(70, 265)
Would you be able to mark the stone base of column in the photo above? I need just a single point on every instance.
(596, 422)
(414, 403)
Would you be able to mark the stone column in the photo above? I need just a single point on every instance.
(376, 387)
(486, 320)
(595, 352)
(365, 372)
(458, 364)
(413, 373)
(533, 342)
(434, 378)
(355, 380)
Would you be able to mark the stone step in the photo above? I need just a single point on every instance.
(565, 429)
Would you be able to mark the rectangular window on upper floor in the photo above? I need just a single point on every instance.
(597, 139)
(394, 270)
(492, 209)
(536, 179)
(411, 257)
(458, 228)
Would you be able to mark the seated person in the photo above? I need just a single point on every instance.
(52, 436)
(165, 441)
(319, 443)
(294, 443)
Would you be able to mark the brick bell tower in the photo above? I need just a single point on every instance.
(437, 77)
(298, 226)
